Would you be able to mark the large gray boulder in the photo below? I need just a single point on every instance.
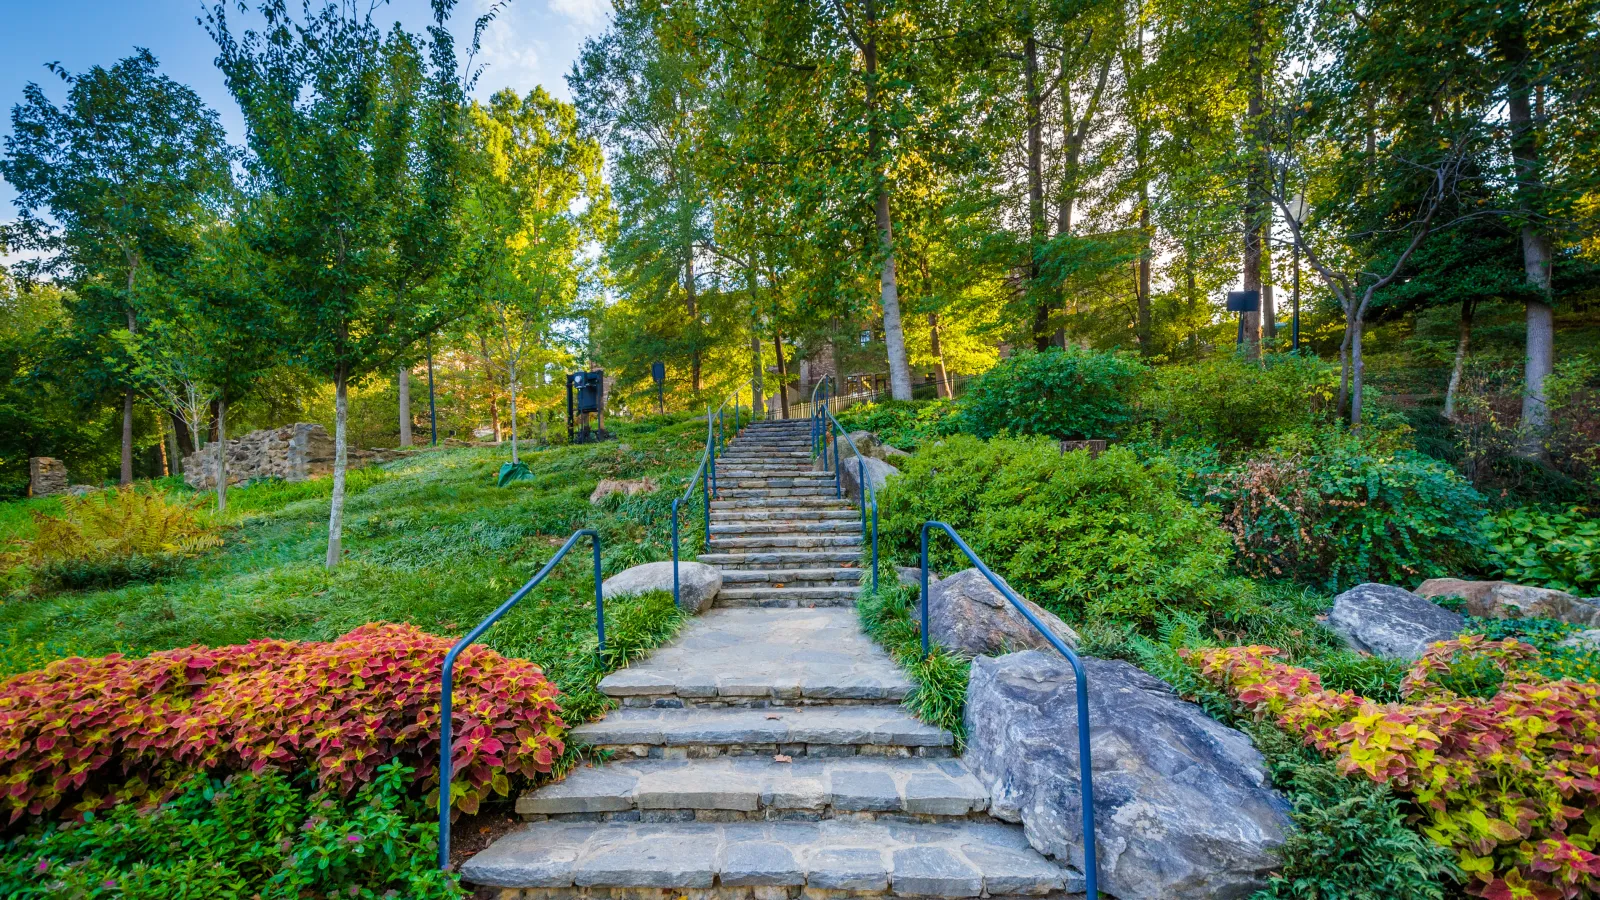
(877, 473)
(1391, 622)
(1183, 807)
(967, 615)
(1508, 600)
(698, 583)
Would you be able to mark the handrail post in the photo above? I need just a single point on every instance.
(675, 600)
(861, 484)
(600, 601)
(838, 488)
(925, 648)
(874, 542)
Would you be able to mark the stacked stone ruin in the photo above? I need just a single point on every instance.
(293, 453)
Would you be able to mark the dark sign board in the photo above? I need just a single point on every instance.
(658, 372)
(588, 390)
(1244, 301)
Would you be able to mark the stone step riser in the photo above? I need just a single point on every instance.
(757, 543)
(733, 579)
(786, 528)
(725, 492)
(726, 481)
(823, 559)
(779, 595)
(747, 504)
(722, 515)
(782, 603)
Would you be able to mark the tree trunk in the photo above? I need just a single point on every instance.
(757, 370)
(174, 457)
(1269, 306)
(167, 470)
(1144, 327)
(222, 456)
(184, 437)
(494, 389)
(783, 371)
(894, 337)
(126, 475)
(1536, 253)
(511, 372)
(404, 384)
(1463, 338)
(692, 301)
(1356, 371)
(341, 461)
(943, 376)
(1255, 188)
(1035, 142)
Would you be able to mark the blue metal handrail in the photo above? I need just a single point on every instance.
(447, 684)
(705, 475)
(821, 416)
(1085, 766)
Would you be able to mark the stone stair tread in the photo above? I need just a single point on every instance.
(763, 653)
(934, 787)
(819, 526)
(956, 859)
(784, 541)
(832, 503)
(837, 725)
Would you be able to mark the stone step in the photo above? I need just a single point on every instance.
(732, 579)
(784, 597)
(760, 658)
(757, 787)
(875, 730)
(811, 559)
(731, 513)
(821, 491)
(727, 480)
(754, 503)
(724, 861)
(759, 456)
(761, 542)
(823, 526)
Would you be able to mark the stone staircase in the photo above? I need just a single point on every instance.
(764, 754)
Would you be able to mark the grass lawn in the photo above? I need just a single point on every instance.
(429, 540)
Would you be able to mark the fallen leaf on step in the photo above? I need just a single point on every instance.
(782, 758)
(777, 584)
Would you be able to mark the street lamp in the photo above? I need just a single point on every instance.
(1297, 209)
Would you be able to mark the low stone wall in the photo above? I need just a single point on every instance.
(294, 453)
(46, 476)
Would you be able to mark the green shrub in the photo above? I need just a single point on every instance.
(1064, 394)
(111, 537)
(1559, 550)
(1239, 404)
(266, 836)
(905, 424)
(1579, 663)
(1103, 537)
(1343, 512)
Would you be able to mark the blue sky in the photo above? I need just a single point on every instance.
(531, 42)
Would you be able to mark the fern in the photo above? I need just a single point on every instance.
(110, 538)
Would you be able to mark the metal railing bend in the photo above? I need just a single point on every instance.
(447, 682)
(1085, 763)
(705, 474)
(825, 430)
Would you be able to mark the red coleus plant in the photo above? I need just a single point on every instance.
(93, 732)
(1511, 782)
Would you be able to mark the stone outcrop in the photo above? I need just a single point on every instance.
(871, 446)
(967, 615)
(877, 474)
(294, 453)
(698, 583)
(1505, 600)
(1183, 807)
(629, 487)
(1391, 622)
(46, 477)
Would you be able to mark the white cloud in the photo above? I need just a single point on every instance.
(589, 14)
